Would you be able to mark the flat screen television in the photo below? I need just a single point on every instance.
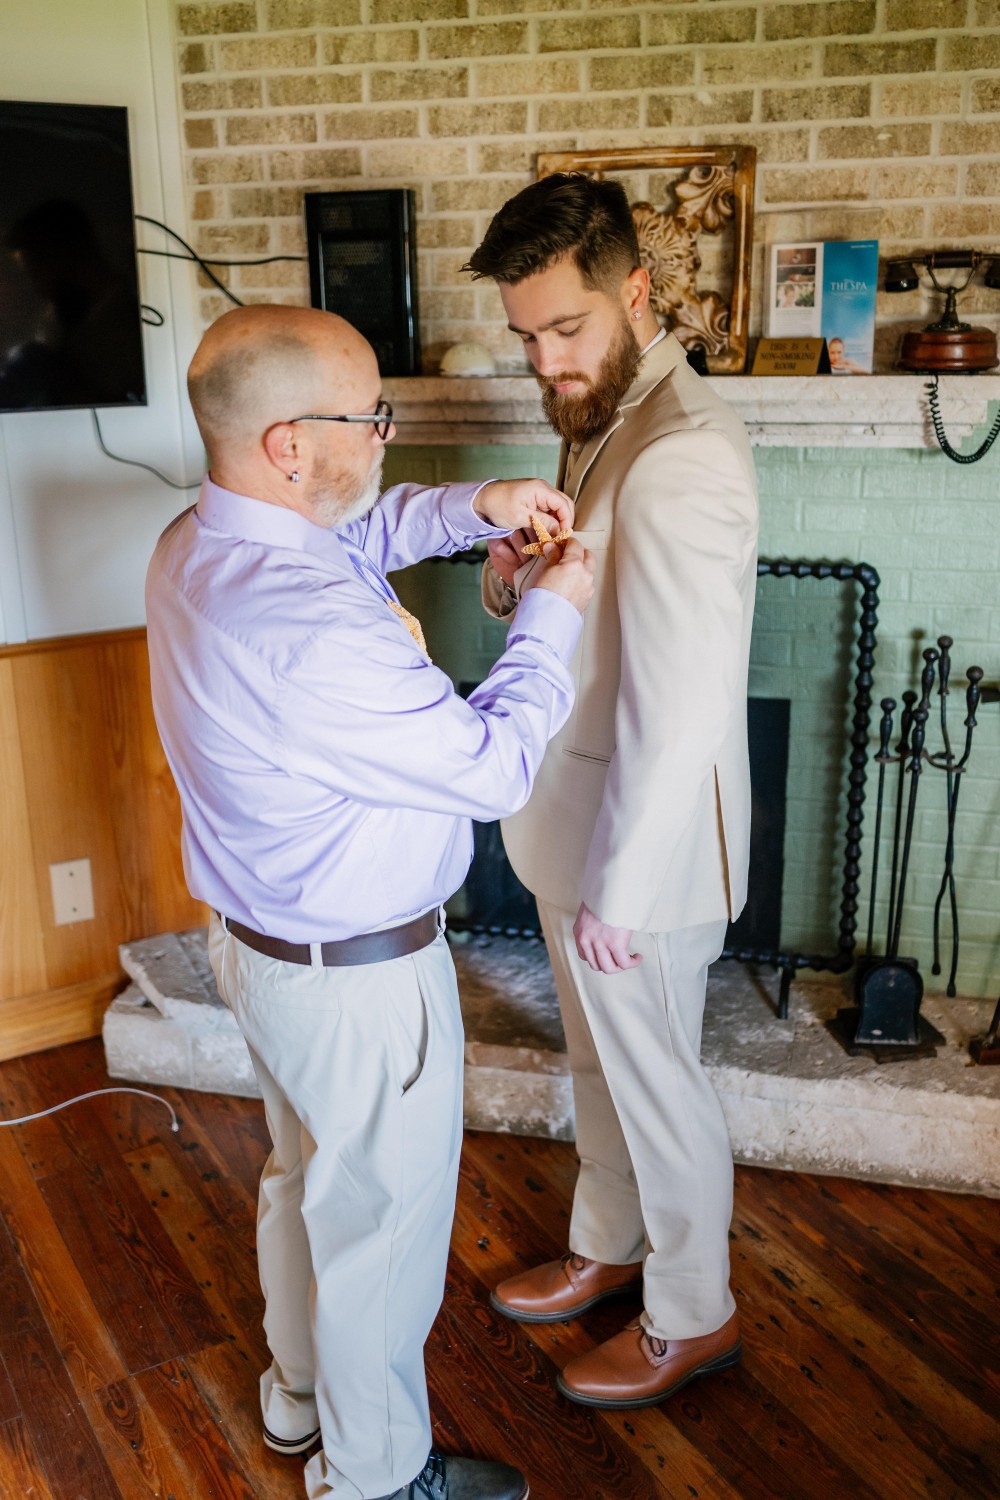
(70, 320)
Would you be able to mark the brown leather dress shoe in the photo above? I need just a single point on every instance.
(637, 1369)
(562, 1289)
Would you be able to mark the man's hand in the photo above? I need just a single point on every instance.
(509, 504)
(505, 554)
(604, 948)
(571, 575)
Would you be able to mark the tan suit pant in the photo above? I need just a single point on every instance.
(656, 1168)
(361, 1073)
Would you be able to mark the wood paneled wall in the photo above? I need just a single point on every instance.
(82, 776)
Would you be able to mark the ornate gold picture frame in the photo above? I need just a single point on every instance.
(693, 212)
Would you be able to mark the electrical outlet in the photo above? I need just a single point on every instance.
(72, 892)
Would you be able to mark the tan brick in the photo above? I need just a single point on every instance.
(553, 76)
(972, 53)
(531, 7)
(268, 52)
(465, 194)
(417, 159)
(278, 273)
(297, 15)
(225, 168)
(972, 138)
(265, 202)
(771, 145)
(264, 129)
(954, 221)
(314, 88)
(924, 96)
(309, 166)
(702, 24)
(982, 179)
(687, 109)
(210, 20)
(920, 180)
(227, 93)
(924, 15)
(371, 46)
(841, 59)
(592, 34)
(874, 140)
(759, 64)
(200, 133)
(418, 10)
(435, 306)
(234, 239)
(292, 238)
(221, 273)
(833, 18)
(445, 234)
(477, 41)
(370, 124)
(478, 119)
(987, 12)
(788, 184)
(206, 204)
(608, 113)
(196, 58)
(828, 102)
(419, 83)
(658, 70)
(986, 95)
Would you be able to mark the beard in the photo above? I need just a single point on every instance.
(576, 418)
(340, 496)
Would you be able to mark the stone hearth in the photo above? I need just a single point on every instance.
(792, 1097)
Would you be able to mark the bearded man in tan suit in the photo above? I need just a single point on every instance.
(635, 840)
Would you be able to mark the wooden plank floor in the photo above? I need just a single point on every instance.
(131, 1343)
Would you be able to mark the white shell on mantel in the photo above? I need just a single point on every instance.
(468, 359)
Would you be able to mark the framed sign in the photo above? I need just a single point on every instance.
(693, 212)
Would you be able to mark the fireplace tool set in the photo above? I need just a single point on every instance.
(888, 988)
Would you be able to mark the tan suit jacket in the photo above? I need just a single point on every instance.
(642, 805)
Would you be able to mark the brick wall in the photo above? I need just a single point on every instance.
(871, 118)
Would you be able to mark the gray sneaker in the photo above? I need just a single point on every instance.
(444, 1478)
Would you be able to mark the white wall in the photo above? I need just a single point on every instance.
(76, 530)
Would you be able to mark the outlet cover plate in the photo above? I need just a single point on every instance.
(72, 892)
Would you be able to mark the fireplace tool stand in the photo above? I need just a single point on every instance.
(888, 988)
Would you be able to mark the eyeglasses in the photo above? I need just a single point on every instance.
(380, 418)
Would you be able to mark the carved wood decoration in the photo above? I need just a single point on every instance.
(714, 196)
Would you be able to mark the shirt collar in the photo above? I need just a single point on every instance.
(259, 521)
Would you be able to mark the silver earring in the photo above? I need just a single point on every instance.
(637, 315)
(294, 476)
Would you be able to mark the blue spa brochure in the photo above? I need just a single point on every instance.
(825, 289)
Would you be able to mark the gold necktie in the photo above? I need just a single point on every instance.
(412, 624)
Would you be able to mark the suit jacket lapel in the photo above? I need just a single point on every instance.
(656, 366)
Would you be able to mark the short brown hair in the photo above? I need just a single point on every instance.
(566, 214)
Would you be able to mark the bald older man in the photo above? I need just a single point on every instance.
(328, 774)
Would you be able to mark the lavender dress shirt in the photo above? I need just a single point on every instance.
(327, 771)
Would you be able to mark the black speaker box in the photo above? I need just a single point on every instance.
(363, 265)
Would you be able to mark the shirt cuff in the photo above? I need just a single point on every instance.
(547, 617)
(483, 530)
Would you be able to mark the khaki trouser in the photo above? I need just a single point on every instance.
(656, 1167)
(361, 1073)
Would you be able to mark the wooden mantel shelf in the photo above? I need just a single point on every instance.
(820, 411)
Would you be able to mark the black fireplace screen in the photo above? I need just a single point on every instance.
(492, 900)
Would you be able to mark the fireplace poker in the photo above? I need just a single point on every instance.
(916, 766)
(902, 750)
(885, 735)
(955, 769)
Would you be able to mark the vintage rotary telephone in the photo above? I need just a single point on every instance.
(948, 346)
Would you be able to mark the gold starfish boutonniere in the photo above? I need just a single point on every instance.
(536, 549)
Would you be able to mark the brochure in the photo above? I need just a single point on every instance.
(826, 289)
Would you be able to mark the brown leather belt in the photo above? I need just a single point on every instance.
(366, 948)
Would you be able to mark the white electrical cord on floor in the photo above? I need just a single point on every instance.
(175, 1125)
